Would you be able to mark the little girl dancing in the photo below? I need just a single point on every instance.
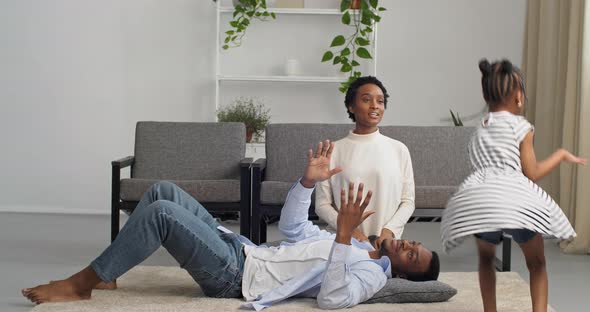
(501, 194)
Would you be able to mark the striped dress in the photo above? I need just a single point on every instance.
(497, 195)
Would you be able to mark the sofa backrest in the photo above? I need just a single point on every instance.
(188, 150)
(287, 145)
(439, 154)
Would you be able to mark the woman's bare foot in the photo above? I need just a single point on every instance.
(77, 287)
(58, 291)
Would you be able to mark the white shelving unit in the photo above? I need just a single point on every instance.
(227, 77)
(281, 78)
(291, 11)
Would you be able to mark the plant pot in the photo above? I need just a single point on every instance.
(249, 133)
(355, 4)
(269, 3)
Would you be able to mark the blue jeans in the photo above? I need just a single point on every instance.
(169, 217)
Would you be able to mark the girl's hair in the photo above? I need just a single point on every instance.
(499, 80)
(353, 88)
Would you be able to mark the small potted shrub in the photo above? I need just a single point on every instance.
(249, 111)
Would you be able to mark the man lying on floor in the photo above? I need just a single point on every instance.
(334, 268)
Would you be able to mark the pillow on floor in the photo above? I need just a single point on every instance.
(399, 290)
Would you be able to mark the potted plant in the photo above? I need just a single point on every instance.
(244, 12)
(249, 111)
(347, 49)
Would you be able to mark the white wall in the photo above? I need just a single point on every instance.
(76, 75)
(430, 51)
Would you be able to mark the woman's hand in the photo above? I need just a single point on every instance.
(385, 233)
(359, 235)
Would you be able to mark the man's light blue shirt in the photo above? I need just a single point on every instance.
(348, 278)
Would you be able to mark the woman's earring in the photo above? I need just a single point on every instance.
(519, 104)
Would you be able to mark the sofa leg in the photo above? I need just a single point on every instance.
(114, 223)
(262, 231)
(506, 253)
(255, 229)
(503, 265)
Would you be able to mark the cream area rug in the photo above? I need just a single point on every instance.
(168, 289)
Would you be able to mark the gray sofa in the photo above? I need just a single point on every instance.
(205, 159)
(439, 157)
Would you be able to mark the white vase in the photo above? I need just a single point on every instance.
(292, 67)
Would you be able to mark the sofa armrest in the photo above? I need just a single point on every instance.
(123, 162)
(117, 165)
(246, 162)
(257, 226)
(259, 164)
(245, 196)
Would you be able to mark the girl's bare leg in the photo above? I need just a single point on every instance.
(534, 253)
(487, 274)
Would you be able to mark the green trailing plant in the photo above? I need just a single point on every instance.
(244, 12)
(347, 51)
(249, 111)
(456, 119)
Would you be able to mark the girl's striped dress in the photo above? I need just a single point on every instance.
(497, 195)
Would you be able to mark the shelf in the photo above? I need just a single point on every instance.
(266, 77)
(308, 11)
(283, 78)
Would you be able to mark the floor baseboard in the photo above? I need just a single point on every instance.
(52, 210)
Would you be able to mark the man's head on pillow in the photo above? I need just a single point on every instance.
(410, 260)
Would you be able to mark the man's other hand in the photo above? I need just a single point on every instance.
(352, 212)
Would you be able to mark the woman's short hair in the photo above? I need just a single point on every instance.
(353, 88)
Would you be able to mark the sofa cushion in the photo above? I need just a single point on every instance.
(433, 196)
(188, 150)
(398, 290)
(275, 193)
(206, 191)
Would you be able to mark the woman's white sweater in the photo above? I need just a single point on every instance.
(384, 166)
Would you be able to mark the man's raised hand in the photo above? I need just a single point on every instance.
(352, 212)
(318, 165)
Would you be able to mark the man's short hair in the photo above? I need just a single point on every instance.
(431, 274)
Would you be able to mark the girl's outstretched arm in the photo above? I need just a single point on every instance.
(535, 170)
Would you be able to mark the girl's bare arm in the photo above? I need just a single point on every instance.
(536, 170)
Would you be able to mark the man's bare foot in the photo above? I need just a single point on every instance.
(58, 291)
(77, 287)
(110, 286)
